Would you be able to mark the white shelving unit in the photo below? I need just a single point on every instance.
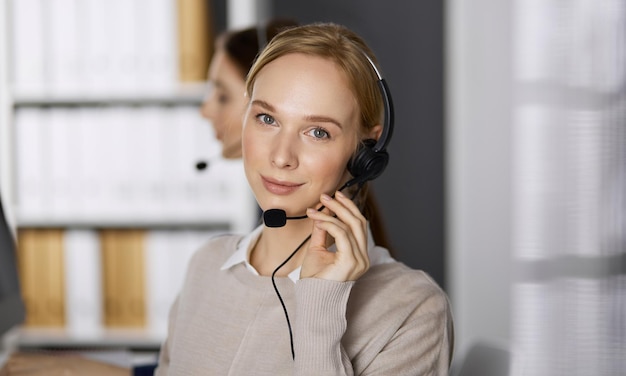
(217, 199)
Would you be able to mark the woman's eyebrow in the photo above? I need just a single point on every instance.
(322, 119)
(312, 118)
(264, 104)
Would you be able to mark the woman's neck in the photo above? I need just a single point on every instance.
(275, 245)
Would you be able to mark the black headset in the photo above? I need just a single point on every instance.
(371, 157)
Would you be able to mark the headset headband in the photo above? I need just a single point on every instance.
(388, 119)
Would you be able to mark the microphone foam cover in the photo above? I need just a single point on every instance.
(201, 165)
(275, 218)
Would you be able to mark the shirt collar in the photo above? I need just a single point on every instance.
(377, 255)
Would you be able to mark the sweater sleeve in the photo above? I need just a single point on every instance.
(319, 327)
(399, 326)
(421, 345)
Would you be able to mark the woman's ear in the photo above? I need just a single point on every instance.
(375, 132)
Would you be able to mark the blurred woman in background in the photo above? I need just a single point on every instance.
(225, 102)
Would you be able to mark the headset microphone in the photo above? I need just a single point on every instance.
(277, 217)
(202, 165)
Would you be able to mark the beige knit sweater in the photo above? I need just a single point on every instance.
(392, 321)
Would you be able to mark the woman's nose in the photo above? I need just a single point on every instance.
(206, 109)
(283, 150)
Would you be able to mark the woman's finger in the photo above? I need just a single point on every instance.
(349, 214)
(348, 261)
(359, 228)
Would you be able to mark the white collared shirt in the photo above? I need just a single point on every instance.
(378, 255)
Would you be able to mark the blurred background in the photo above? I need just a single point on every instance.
(507, 177)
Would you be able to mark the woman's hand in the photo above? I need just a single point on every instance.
(349, 229)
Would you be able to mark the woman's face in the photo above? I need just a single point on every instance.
(225, 103)
(300, 129)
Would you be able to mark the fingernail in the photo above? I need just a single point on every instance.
(310, 210)
(325, 197)
(340, 194)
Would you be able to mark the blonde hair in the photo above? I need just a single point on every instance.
(338, 44)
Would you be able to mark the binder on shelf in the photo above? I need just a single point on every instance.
(28, 45)
(63, 34)
(31, 162)
(122, 41)
(171, 162)
(83, 283)
(94, 149)
(156, 50)
(118, 162)
(60, 161)
(123, 277)
(194, 40)
(146, 139)
(74, 133)
(95, 24)
(185, 195)
(41, 267)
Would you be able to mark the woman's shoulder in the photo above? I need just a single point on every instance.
(397, 284)
(398, 272)
(216, 250)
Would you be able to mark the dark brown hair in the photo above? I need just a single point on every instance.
(242, 46)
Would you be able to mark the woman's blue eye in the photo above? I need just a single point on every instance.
(320, 133)
(266, 119)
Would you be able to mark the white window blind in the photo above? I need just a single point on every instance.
(569, 187)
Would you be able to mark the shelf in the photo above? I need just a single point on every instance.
(217, 219)
(213, 225)
(184, 94)
(61, 338)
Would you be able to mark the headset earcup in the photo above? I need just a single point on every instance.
(368, 164)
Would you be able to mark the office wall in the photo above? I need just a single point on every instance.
(478, 162)
(407, 39)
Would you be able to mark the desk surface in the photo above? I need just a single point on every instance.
(13, 341)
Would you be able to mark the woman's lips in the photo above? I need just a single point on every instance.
(279, 187)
